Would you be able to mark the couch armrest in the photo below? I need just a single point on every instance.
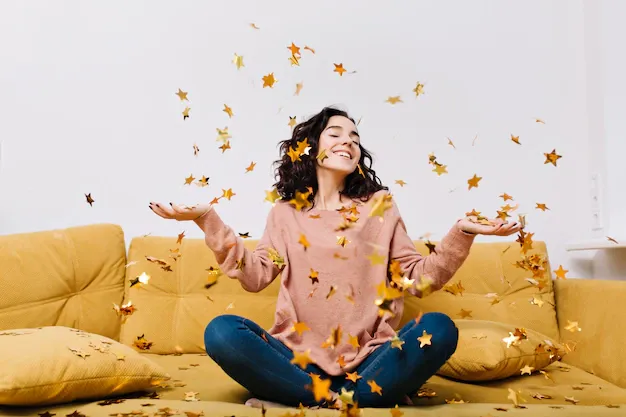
(599, 307)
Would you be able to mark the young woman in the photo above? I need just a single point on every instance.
(341, 246)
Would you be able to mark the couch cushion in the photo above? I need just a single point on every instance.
(69, 277)
(483, 355)
(490, 269)
(201, 374)
(57, 364)
(173, 309)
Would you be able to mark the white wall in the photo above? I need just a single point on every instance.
(88, 106)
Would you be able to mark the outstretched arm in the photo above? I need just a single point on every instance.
(254, 269)
(440, 265)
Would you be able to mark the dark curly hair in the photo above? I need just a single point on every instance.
(300, 175)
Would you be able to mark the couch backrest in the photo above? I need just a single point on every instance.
(173, 309)
(68, 277)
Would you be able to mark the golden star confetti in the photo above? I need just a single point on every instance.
(251, 166)
(342, 241)
(560, 273)
(375, 387)
(465, 314)
(396, 412)
(78, 352)
(331, 291)
(527, 369)
(301, 200)
(141, 279)
(300, 328)
(396, 342)
(454, 288)
(308, 48)
(277, 260)
(223, 135)
(189, 180)
(142, 344)
(191, 396)
(225, 146)
(298, 88)
(339, 69)
(182, 94)
(571, 400)
(124, 310)
(334, 339)
(473, 182)
(313, 276)
(353, 376)
(228, 111)
(610, 239)
(572, 326)
(419, 89)
(272, 196)
(394, 100)
(401, 183)
(515, 139)
(203, 182)
(292, 122)
(552, 157)
(269, 80)
(320, 387)
(440, 169)
(425, 339)
(539, 396)
(540, 121)
(228, 193)
(322, 155)
(302, 359)
(186, 113)
(238, 61)
(89, 199)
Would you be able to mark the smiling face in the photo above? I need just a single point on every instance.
(341, 141)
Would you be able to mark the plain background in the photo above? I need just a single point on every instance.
(88, 105)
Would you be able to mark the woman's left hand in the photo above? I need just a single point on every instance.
(497, 227)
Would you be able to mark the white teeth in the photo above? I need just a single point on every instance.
(344, 154)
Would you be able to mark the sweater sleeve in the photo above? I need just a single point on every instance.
(440, 265)
(254, 269)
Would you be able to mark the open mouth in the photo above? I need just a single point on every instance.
(343, 154)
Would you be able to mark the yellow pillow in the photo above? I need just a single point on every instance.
(482, 353)
(56, 364)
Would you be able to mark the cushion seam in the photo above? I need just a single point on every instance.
(135, 376)
(60, 297)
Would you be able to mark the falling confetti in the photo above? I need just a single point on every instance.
(473, 182)
(238, 61)
(394, 100)
(298, 88)
(552, 157)
(419, 89)
(560, 273)
(269, 80)
(89, 199)
(228, 111)
(339, 69)
(182, 94)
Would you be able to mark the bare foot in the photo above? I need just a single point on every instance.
(256, 403)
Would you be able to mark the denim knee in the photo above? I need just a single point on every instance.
(219, 328)
(443, 329)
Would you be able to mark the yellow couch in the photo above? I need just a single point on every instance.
(72, 278)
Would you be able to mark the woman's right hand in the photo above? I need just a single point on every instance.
(180, 212)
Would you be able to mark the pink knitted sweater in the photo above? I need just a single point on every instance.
(347, 267)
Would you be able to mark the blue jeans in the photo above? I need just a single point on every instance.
(264, 368)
